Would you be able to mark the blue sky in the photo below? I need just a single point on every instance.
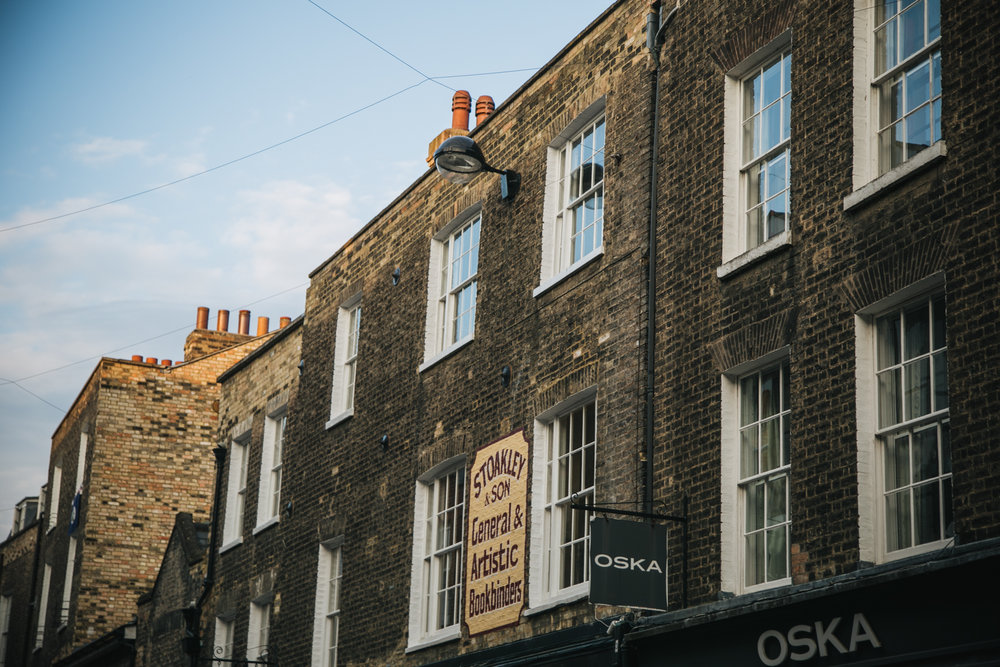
(106, 99)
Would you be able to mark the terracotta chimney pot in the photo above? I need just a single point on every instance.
(262, 325)
(461, 105)
(285, 321)
(136, 357)
(223, 322)
(244, 322)
(151, 360)
(484, 108)
(166, 362)
(202, 322)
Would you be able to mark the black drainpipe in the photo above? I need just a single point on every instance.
(654, 40)
(192, 615)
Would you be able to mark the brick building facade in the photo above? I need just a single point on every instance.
(748, 280)
(819, 409)
(132, 452)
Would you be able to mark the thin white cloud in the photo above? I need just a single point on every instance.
(108, 149)
(284, 229)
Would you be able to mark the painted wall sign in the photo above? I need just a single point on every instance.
(628, 563)
(496, 552)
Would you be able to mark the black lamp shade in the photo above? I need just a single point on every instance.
(458, 160)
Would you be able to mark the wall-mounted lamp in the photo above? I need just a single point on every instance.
(395, 277)
(384, 441)
(459, 159)
(505, 376)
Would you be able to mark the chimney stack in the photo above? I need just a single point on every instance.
(244, 322)
(461, 105)
(484, 108)
(202, 322)
(223, 322)
(262, 325)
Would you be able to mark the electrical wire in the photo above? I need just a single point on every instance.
(218, 166)
(376, 44)
(28, 391)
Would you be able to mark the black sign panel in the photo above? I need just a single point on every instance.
(628, 564)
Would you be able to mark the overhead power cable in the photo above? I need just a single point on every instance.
(376, 44)
(216, 167)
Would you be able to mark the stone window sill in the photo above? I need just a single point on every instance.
(874, 189)
(754, 255)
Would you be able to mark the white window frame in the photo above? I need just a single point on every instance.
(869, 177)
(236, 491)
(222, 641)
(57, 474)
(67, 596)
(425, 582)
(734, 482)
(545, 570)
(872, 438)
(737, 251)
(326, 617)
(558, 260)
(442, 337)
(269, 496)
(43, 606)
(5, 604)
(259, 629)
(345, 360)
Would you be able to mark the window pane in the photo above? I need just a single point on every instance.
(770, 127)
(777, 500)
(945, 448)
(885, 47)
(772, 83)
(897, 519)
(777, 553)
(918, 131)
(927, 513)
(949, 519)
(748, 400)
(918, 86)
(912, 25)
(770, 444)
(754, 506)
(933, 20)
(937, 307)
(751, 138)
(748, 452)
(889, 398)
(940, 380)
(754, 557)
(925, 454)
(776, 171)
(897, 462)
(888, 341)
(918, 388)
(776, 212)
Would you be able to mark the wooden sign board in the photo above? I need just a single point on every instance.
(496, 535)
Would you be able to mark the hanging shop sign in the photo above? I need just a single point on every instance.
(628, 563)
(496, 533)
